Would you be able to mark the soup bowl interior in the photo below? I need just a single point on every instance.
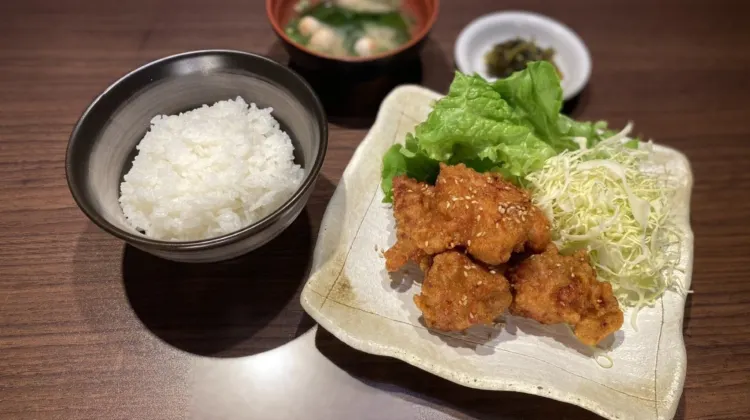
(422, 13)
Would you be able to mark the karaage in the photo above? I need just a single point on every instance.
(482, 213)
(552, 289)
(458, 293)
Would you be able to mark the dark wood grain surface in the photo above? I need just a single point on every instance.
(90, 328)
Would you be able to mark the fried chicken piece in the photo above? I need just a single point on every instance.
(458, 293)
(552, 289)
(488, 216)
(498, 217)
(414, 203)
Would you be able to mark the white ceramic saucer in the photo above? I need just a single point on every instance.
(571, 55)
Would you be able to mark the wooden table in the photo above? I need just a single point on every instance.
(90, 328)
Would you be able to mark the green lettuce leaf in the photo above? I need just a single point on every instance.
(511, 126)
(474, 125)
(521, 158)
(472, 117)
(535, 95)
(407, 160)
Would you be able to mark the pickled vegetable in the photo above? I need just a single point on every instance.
(511, 56)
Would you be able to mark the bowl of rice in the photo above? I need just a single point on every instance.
(199, 157)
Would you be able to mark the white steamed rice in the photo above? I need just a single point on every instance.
(208, 172)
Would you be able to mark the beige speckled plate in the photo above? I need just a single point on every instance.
(350, 294)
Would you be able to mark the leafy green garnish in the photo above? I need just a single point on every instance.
(535, 96)
(511, 126)
(407, 160)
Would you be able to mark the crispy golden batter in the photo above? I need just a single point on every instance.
(415, 202)
(552, 289)
(489, 217)
(458, 293)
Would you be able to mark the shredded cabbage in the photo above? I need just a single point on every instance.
(612, 201)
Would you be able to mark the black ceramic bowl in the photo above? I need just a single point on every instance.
(102, 145)
(424, 12)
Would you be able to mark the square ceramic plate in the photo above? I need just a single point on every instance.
(350, 294)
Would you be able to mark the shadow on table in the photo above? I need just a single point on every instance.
(353, 101)
(420, 387)
(680, 414)
(574, 106)
(687, 316)
(208, 309)
(240, 307)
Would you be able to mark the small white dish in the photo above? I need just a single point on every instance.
(350, 294)
(572, 57)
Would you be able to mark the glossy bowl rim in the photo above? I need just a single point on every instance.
(276, 25)
(204, 244)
